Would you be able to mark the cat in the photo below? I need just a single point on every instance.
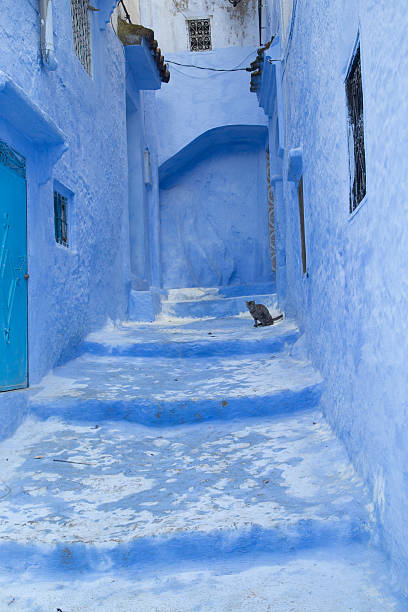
(261, 313)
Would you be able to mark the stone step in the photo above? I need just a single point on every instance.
(189, 294)
(317, 580)
(172, 391)
(219, 307)
(198, 302)
(207, 338)
(90, 498)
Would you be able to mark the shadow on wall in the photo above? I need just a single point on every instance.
(214, 210)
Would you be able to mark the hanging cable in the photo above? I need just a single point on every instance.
(205, 68)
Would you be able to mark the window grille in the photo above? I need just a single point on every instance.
(354, 91)
(13, 160)
(81, 28)
(199, 33)
(302, 225)
(60, 218)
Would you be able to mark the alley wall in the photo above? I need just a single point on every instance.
(212, 141)
(74, 288)
(353, 300)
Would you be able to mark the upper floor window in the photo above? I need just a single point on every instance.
(354, 92)
(199, 33)
(81, 28)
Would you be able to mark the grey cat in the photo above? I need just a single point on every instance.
(261, 313)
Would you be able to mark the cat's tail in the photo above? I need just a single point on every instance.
(277, 318)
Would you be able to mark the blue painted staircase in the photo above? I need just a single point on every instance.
(185, 465)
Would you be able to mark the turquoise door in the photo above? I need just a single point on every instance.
(13, 270)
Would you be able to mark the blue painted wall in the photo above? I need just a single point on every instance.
(71, 291)
(353, 306)
(212, 139)
(196, 101)
(214, 217)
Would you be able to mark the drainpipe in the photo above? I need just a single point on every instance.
(47, 35)
(260, 21)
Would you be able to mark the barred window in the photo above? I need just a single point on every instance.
(354, 92)
(81, 28)
(199, 33)
(61, 218)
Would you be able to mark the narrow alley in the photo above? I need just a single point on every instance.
(172, 174)
(185, 465)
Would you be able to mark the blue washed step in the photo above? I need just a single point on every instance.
(87, 498)
(216, 308)
(206, 338)
(198, 302)
(312, 580)
(164, 391)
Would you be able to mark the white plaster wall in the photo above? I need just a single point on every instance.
(277, 17)
(286, 9)
(133, 8)
(230, 26)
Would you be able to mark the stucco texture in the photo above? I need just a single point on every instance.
(71, 290)
(353, 303)
(214, 221)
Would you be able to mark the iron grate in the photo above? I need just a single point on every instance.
(60, 218)
(199, 32)
(81, 28)
(11, 159)
(354, 91)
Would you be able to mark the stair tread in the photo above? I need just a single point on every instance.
(215, 334)
(289, 478)
(115, 378)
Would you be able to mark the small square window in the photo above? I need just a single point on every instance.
(61, 218)
(199, 33)
(81, 29)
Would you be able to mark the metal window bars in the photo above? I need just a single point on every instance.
(60, 219)
(81, 28)
(199, 32)
(354, 92)
(11, 159)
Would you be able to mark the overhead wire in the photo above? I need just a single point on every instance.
(205, 67)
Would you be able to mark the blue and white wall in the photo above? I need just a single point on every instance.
(71, 290)
(230, 26)
(353, 304)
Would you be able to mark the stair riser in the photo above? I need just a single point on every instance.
(211, 348)
(221, 308)
(188, 547)
(158, 414)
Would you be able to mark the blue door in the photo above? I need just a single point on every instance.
(13, 270)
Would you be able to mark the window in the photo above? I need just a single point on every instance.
(354, 92)
(81, 28)
(302, 225)
(199, 33)
(60, 218)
